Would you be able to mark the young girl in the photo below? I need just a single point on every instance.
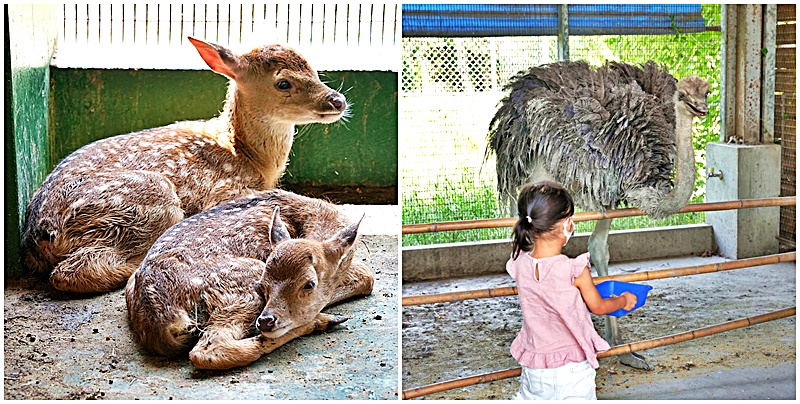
(557, 346)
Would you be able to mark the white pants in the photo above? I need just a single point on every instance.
(574, 381)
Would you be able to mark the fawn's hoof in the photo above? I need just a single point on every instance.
(336, 320)
(328, 321)
(634, 360)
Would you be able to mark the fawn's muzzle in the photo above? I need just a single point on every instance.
(266, 322)
(337, 101)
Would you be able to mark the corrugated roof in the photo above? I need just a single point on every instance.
(485, 20)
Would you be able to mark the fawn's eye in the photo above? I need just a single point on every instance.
(310, 285)
(283, 85)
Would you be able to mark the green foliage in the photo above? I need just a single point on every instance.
(450, 201)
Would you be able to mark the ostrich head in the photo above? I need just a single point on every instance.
(691, 96)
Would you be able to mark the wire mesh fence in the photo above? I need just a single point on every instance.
(786, 114)
(450, 88)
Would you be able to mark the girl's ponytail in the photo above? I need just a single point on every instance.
(539, 207)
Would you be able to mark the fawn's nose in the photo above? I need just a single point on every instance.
(266, 323)
(337, 101)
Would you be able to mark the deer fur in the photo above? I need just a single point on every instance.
(102, 207)
(239, 280)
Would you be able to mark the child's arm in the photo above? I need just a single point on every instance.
(595, 302)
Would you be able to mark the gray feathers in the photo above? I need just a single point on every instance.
(599, 132)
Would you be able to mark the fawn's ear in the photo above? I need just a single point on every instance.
(343, 241)
(277, 231)
(218, 58)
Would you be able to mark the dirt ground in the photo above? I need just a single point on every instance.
(446, 341)
(61, 346)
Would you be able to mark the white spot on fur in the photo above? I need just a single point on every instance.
(77, 204)
(196, 281)
(227, 167)
(144, 144)
(116, 200)
(170, 164)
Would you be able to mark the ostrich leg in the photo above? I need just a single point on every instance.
(598, 251)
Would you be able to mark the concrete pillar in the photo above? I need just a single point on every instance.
(751, 164)
(29, 43)
(748, 172)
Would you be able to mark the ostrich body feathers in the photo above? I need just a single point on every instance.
(599, 132)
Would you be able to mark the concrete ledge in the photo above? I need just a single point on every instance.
(422, 263)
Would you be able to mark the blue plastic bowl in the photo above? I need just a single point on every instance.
(609, 288)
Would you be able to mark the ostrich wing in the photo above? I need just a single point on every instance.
(591, 130)
(653, 79)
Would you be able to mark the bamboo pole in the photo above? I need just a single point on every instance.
(636, 277)
(597, 215)
(616, 350)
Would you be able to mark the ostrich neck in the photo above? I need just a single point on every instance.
(257, 137)
(680, 194)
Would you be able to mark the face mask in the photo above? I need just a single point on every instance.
(568, 233)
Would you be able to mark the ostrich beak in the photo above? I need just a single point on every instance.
(699, 110)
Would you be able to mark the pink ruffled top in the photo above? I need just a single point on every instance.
(557, 328)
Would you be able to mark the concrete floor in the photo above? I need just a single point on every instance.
(446, 341)
(59, 345)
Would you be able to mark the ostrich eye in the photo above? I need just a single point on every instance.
(283, 85)
(310, 285)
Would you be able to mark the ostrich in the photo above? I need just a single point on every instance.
(610, 135)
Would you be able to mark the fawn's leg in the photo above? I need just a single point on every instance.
(355, 281)
(93, 269)
(220, 347)
(114, 218)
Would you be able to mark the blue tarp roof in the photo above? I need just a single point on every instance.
(483, 20)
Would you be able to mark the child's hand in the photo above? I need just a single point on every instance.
(630, 300)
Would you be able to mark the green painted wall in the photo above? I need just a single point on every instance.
(90, 104)
(29, 39)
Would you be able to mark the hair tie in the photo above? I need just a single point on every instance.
(529, 219)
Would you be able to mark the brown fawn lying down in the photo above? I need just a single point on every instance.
(95, 216)
(239, 280)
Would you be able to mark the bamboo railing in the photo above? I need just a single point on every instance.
(616, 350)
(636, 277)
(642, 276)
(597, 215)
